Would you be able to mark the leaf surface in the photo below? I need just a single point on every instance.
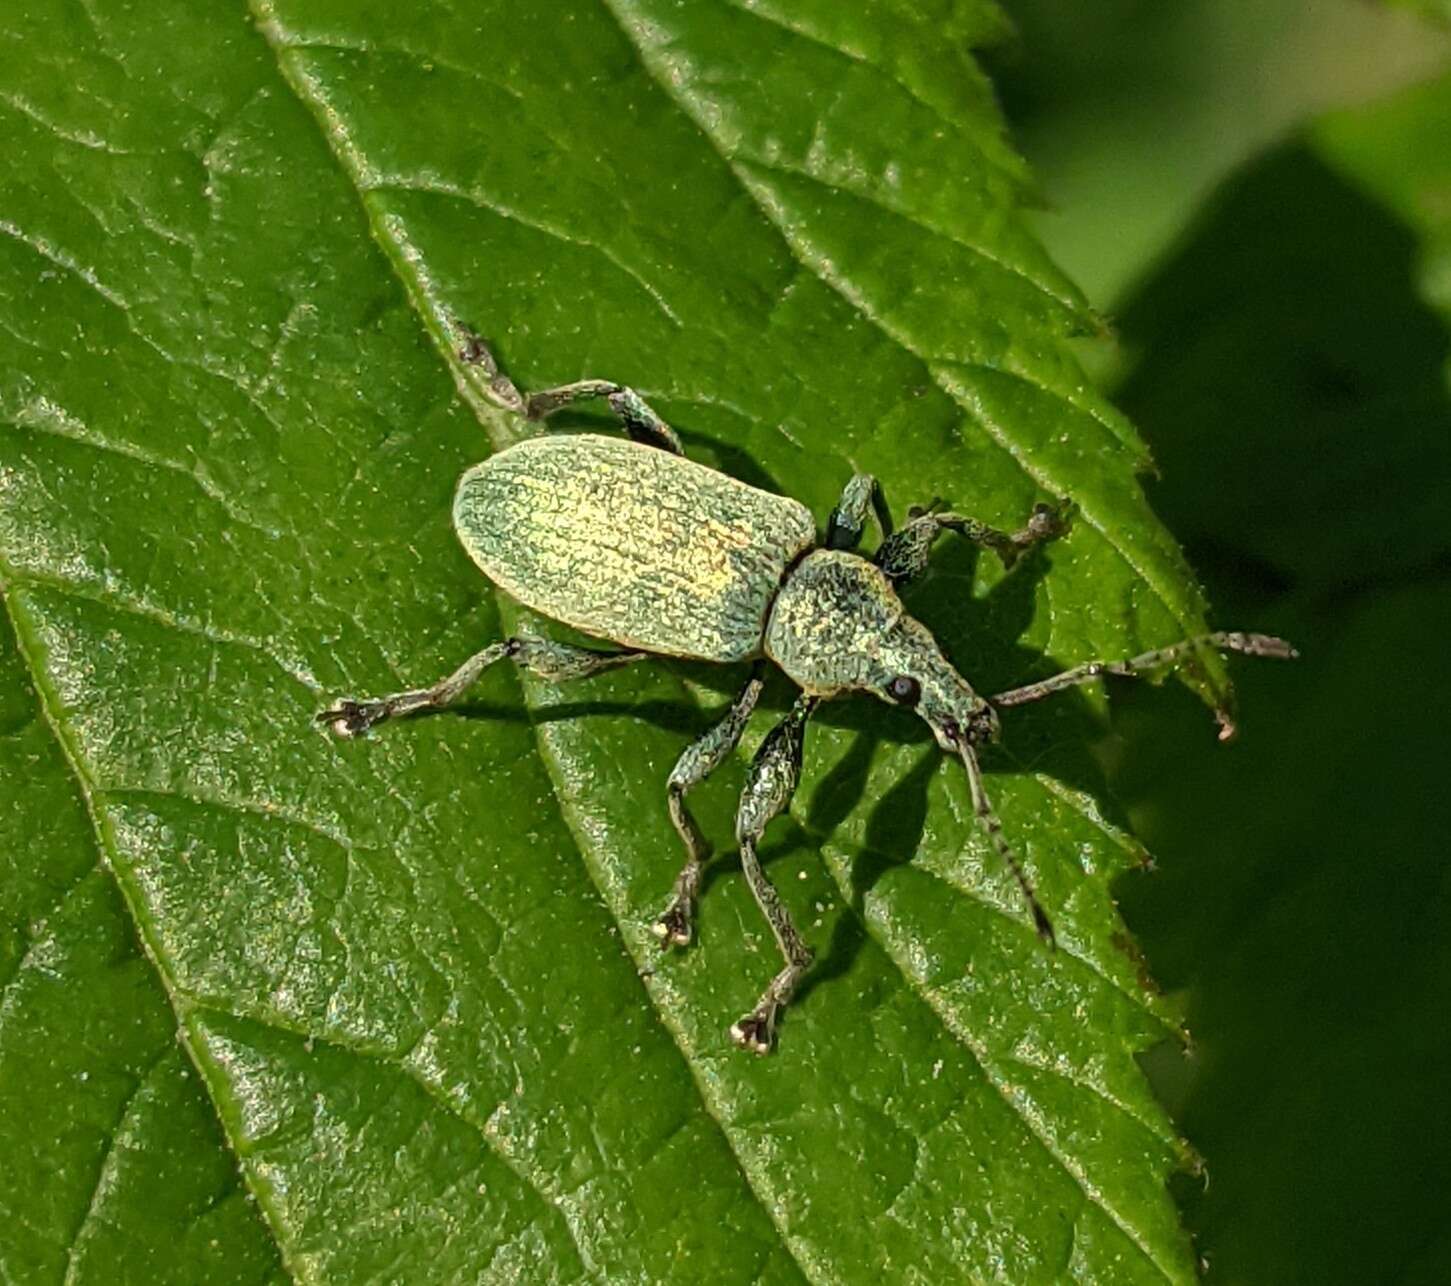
(113, 1152)
(414, 975)
(1437, 10)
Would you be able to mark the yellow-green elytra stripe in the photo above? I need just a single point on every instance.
(632, 543)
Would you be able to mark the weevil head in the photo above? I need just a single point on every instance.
(837, 625)
(912, 672)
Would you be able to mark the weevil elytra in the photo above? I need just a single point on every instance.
(629, 541)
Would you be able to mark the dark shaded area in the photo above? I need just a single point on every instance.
(1044, 66)
(1293, 388)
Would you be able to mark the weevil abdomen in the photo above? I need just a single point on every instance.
(632, 543)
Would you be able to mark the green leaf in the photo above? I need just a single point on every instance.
(112, 1151)
(414, 975)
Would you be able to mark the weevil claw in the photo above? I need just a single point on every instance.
(673, 927)
(351, 718)
(756, 1032)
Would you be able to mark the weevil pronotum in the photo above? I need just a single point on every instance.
(632, 542)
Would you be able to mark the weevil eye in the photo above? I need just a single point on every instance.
(905, 690)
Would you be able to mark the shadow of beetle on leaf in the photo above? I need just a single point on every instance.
(983, 627)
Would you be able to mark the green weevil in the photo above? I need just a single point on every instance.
(629, 541)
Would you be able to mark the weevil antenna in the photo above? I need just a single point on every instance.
(994, 828)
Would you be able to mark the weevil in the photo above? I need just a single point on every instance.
(628, 540)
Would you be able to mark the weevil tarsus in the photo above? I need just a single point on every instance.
(557, 662)
(699, 759)
(774, 772)
(501, 390)
(640, 422)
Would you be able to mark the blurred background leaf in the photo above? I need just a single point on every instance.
(1132, 111)
(1438, 10)
(1285, 352)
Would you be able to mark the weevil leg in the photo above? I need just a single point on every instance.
(640, 421)
(701, 758)
(1225, 640)
(859, 501)
(558, 662)
(903, 556)
(774, 773)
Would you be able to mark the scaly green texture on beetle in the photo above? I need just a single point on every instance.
(634, 543)
(838, 626)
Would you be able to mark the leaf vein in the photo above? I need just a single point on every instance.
(264, 809)
(1038, 1128)
(72, 267)
(917, 220)
(134, 605)
(107, 1166)
(277, 1022)
(28, 958)
(86, 139)
(439, 187)
(1098, 1092)
(974, 895)
(44, 416)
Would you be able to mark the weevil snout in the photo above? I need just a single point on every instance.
(920, 677)
(958, 717)
(910, 670)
